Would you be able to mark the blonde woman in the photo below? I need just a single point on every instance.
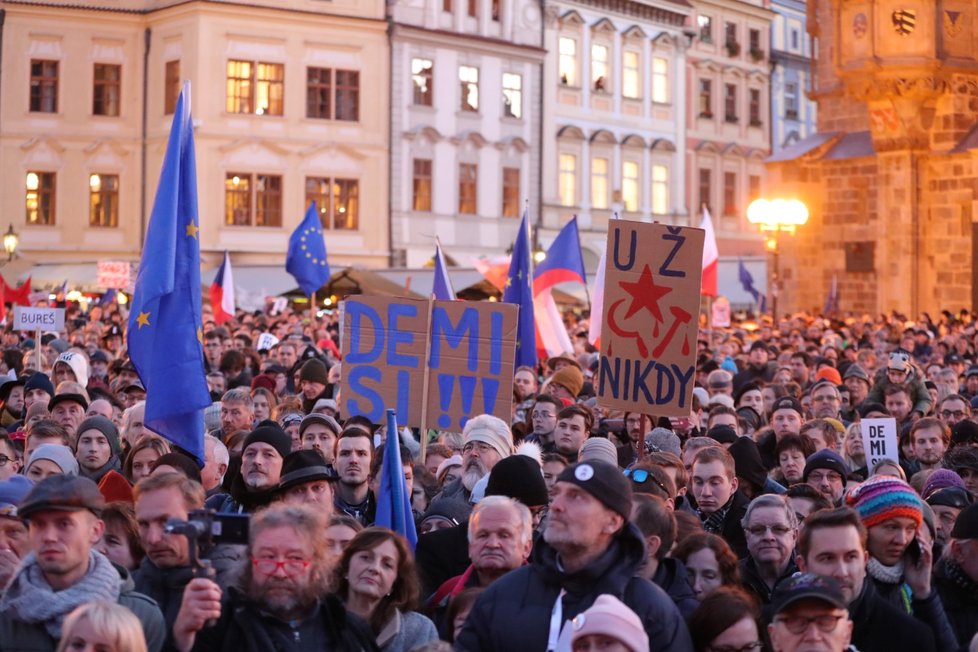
(102, 626)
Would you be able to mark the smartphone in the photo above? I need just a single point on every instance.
(913, 551)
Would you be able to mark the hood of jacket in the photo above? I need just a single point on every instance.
(671, 576)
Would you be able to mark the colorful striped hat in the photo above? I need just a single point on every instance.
(883, 497)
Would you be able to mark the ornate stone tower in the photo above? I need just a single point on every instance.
(891, 177)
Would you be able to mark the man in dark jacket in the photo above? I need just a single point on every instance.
(656, 522)
(720, 505)
(588, 549)
(956, 576)
(833, 543)
(771, 527)
(283, 602)
(64, 571)
(166, 570)
(256, 486)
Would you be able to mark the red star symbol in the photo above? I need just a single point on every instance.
(645, 294)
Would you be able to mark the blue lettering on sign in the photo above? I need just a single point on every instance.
(467, 387)
(633, 243)
(673, 234)
(467, 332)
(357, 379)
(359, 312)
(397, 336)
(629, 380)
(496, 345)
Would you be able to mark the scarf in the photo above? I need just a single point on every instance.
(960, 579)
(714, 522)
(32, 599)
(892, 575)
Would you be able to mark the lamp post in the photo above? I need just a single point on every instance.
(10, 242)
(774, 216)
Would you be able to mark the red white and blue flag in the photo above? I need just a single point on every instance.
(711, 257)
(222, 292)
(563, 264)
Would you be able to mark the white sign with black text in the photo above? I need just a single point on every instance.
(880, 440)
(39, 319)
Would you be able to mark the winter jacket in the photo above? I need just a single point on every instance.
(240, 500)
(919, 395)
(880, 627)
(442, 555)
(19, 636)
(406, 631)
(245, 627)
(959, 594)
(750, 577)
(929, 610)
(671, 577)
(514, 613)
(732, 531)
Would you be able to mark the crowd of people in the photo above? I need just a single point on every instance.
(753, 523)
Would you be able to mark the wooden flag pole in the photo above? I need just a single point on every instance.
(424, 388)
(312, 315)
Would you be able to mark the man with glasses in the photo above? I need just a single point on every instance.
(285, 598)
(826, 401)
(771, 528)
(486, 441)
(9, 463)
(826, 471)
(953, 409)
(543, 419)
(810, 615)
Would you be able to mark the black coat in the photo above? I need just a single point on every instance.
(752, 581)
(880, 627)
(671, 577)
(442, 555)
(732, 531)
(514, 613)
(960, 603)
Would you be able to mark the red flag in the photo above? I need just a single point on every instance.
(19, 296)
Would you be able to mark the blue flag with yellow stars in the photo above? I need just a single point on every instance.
(164, 332)
(306, 260)
(519, 290)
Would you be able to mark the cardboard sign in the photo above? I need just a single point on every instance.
(114, 275)
(39, 319)
(266, 341)
(720, 314)
(880, 441)
(470, 349)
(649, 322)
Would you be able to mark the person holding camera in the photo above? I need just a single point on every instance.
(282, 599)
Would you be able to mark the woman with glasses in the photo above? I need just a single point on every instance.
(726, 621)
(377, 581)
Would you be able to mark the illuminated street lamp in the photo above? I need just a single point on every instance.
(10, 242)
(774, 216)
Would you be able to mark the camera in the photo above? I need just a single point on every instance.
(204, 529)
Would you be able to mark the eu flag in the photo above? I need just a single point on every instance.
(165, 334)
(518, 290)
(306, 260)
(393, 501)
(441, 288)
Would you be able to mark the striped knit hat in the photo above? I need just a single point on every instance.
(883, 497)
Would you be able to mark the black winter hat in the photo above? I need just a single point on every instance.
(314, 371)
(966, 524)
(520, 478)
(39, 381)
(605, 482)
(269, 432)
(722, 433)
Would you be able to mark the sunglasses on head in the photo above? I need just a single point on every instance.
(641, 476)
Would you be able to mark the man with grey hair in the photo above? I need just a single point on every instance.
(487, 439)
(216, 460)
(771, 528)
(720, 381)
(237, 411)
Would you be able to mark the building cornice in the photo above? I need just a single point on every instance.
(674, 16)
(461, 41)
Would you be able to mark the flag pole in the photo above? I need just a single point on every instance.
(312, 314)
(424, 388)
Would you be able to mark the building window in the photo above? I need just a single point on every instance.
(660, 80)
(347, 95)
(252, 199)
(629, 185)
(511, 192)
(705, 188)
(568, 61)
(705, 25)
(512, 95)
(730, 39)
(754, 43)
(660, 189)
(336, 200)
(171, 87)
(422, 75)
(794, 39)
(730, 102)
(495, 10)
(706, 98)
(754, 187)
(473, 8)
(446, 5)
(468, 174)
(791, 100)
(729, 193)
(103, 200)
(268, 200)
(599, 183)
(237, 199)
(44, 86)
(568, 180)
(755, 107)
(39, 198)
(631, 85)
(599, 68)
(468, 77)
(319, 93)
(257, 88)
(107, 89)
(422, 185)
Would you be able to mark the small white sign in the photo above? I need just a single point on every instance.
(113, 274)
(39, 319)
(721, 313)
(266, 341)
(880, 441)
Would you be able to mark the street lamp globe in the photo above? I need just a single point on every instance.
(10, 242)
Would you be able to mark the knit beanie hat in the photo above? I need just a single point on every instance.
(263, 380)
(454, 460)
(941, 479)
(58, 345)
(60, 455)
(39, 381)
(603, 481)
(599, 448)
(104, 426)
(883, 497)
(570, 378)
(490, 430)
(521, 478)
(269, 432)
(610, 617)
(830, 374)
(450, 509)
(78, 364)
(856, 371)
(662, 439)
(114, 487)
(899, 361)
(825, 459)
(182, 463)
(314, 371)
(12, 492)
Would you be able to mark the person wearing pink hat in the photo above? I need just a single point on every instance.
(608, 625)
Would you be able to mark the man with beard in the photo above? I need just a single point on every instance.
(487, 440)
(588, 549)
(283, 601)
(354, 450)
(929, 439)
(12, 398)
(256, 486)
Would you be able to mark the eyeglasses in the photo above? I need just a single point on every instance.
(800, 624)
(777, 530)
(956, 414)
(271, 566)
(480, 446)
(641, 476)
(4, 459)
(831, 476)
(749, 647)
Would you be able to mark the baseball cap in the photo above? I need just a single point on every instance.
(787, 403)
(68, 493)
(807, 586)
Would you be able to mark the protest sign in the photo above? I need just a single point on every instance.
(880, 440)
(469, 348)
(39, 319)
(115, 275)
(649, 325)
(266, 341)
(720, 313)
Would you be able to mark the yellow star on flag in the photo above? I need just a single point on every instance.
(509, 282)
(192, 230)
(143, 319)
(200, 335)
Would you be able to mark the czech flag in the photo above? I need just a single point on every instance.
(563, 264)
(711, 257)
(222, 292)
